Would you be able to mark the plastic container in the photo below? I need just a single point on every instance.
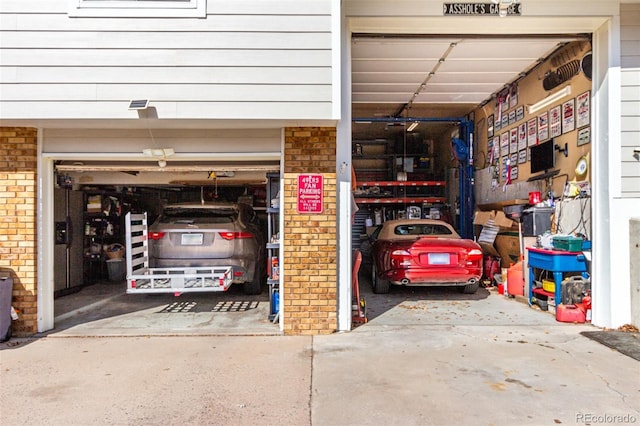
(515, 280)
(574, 288)
(499, 282)
(567, 243)
(570, 313)
(114, 251)
(534, 198)
(6, 290)
(586, 306)
(116, 269)
(543, 304)
(548, 285)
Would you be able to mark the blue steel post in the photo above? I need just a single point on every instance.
(467, 183)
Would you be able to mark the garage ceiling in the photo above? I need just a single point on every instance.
(400, 76)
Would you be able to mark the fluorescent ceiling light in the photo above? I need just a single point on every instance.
(412, 126)
(549, 100)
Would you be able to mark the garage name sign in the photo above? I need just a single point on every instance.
(310, 193)
(478, 9)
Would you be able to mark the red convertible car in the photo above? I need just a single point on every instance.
(423, 252)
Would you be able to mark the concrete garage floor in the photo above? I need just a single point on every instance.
(419, 306)
(104, 309)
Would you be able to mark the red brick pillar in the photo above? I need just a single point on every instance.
(309, 252)
(18, 239)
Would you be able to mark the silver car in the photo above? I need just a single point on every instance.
(211, 234)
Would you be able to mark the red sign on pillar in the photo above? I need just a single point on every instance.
(310, 193)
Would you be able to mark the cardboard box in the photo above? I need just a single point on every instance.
(507, 245)
(493, 217)
(94, 204)
(494, 223)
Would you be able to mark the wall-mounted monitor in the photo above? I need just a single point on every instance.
(543, 157)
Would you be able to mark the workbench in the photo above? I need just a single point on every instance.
(556, 261)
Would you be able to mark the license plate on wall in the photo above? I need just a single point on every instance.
(191, 239)
(438, 258)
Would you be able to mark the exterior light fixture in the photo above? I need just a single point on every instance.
(139, 104)
(412, 126)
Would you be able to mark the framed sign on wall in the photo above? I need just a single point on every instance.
(532, 131)
(555, 122)
(583, 109)
(568, 116)
(543, 126)
(584, 136)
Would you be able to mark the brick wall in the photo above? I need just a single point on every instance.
(18, 249)
(309, 250)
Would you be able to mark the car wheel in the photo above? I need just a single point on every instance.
(471, 288)
(255, 286)
(380, 286)
(252, 287)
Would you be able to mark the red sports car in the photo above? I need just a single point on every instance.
(423, 252)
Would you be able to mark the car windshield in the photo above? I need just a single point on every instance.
(193, 215)
(422, 229)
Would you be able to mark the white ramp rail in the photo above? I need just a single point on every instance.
(142, 279)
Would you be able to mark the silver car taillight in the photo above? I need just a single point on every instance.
(235, 235)
(156, 235)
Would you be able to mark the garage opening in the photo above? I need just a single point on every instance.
(528, 99)
(197, 214)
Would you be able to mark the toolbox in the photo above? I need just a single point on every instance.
(567, 243)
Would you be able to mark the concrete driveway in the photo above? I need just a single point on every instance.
(439, 368)
(426, 357)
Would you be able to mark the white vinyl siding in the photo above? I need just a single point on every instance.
(138, 8)
(269, 59)
(630, 116)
